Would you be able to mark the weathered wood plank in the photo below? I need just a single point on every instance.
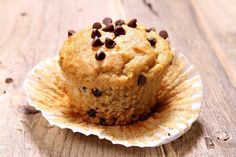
(32, 31)
(218, 27)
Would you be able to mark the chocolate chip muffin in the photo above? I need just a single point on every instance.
(115, 69)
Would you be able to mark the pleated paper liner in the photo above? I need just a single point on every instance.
(179, 105)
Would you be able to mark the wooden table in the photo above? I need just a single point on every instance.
(205, 31)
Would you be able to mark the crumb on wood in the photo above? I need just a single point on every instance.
(4, 92)
(8, 80)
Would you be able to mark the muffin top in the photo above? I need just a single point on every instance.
(114, 53)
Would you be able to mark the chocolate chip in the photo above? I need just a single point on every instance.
(142, 80)
(97, 25)
(95, 33)
(108, 28)
(109, 43)
(102, 121)
(8, 80)
(107, 20)
(132, 23)
(100, 55)
(96, 92)
(150, 29)
(84, 89)
(97, 42)
(119, 22)
(163, 34)
(119, 31)
(71, 32)
(4, 92)
(92, 113)
(152, 41)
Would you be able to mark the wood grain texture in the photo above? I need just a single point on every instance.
(34, 30)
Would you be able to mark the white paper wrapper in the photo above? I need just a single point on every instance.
(180, 103)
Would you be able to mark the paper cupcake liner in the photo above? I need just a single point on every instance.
(179, 105)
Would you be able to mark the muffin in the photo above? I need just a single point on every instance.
(115, 69)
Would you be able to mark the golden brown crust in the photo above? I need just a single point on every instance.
(131, 56)
(117, 76)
